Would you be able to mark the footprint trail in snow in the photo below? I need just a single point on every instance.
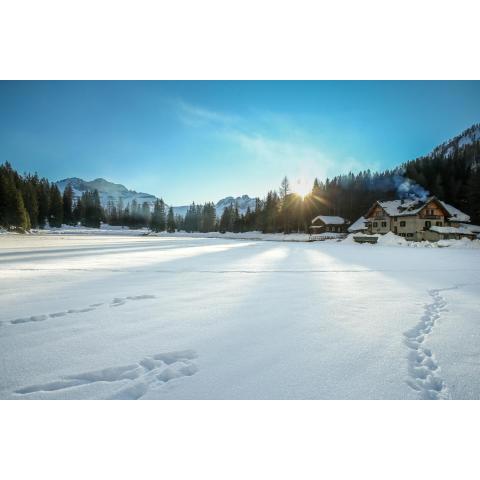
(116, 302)
(134, 380)
(423, 369)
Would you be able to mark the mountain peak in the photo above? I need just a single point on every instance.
(108, 191)
(467, 137)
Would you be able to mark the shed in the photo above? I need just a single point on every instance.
(448, 233)
(326, 223)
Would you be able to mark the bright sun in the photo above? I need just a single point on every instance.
(301, 187)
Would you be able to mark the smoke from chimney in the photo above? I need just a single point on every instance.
(408, 189)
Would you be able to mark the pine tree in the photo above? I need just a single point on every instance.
(55, 212)
(225, 221)
(67, 200)
(4, 198)
(158, 221)
(284, 187)
(19, 213)
(31, 203)
(191, 221)
(146, 215)
(134, 214)
(179, 222)
(154, 220)
(474, 195)
(209, 217)
(43, 197)
(90, 209)
(78, 212)
(171, 221)
(162, 216)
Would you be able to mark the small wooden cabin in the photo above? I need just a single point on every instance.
(330, 224)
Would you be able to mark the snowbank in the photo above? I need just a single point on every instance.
(390, 239)
(103, 230)
(276, 237)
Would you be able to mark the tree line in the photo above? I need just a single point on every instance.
(453, 175)
(31, 202)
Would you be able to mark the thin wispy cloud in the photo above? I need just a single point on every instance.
(269, 139)
(293, 157)
(198, 116)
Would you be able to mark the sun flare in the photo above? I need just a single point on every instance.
(302, 187)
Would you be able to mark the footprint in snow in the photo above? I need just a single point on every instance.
(133, 380)
(116, 302)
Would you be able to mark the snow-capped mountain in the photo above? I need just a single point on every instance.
(108, 191)
(242, 203)
(449, 147)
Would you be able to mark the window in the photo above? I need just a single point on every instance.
(384, 224)
(438, 224)
(428, 224)
(402, 223)
(409, 234)
(375, 224)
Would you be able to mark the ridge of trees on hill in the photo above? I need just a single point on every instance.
(454, 176)
(31, 202)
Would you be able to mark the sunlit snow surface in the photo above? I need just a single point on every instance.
(202, 318)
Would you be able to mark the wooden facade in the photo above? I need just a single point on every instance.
(410, 220)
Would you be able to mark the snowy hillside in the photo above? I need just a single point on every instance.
(467, 137)
(108, 191)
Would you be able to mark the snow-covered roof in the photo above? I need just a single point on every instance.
(329, 220)
(458, 230)
(472, 228)
(399, 208)
(456, 214)
(358, 225)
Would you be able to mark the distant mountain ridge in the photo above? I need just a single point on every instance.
(113, 192)
(448, 148)
(451, 171)
(243, 203)
(108, 191)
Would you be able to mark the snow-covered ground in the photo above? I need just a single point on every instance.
(133, 316)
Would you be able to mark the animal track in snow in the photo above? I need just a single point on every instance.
(423, 369)
(133, 380)
(116, 302)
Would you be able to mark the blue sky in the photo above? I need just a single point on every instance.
(203, 141)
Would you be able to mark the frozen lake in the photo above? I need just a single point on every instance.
(114, 316)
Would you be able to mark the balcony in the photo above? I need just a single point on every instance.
(432, 217)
